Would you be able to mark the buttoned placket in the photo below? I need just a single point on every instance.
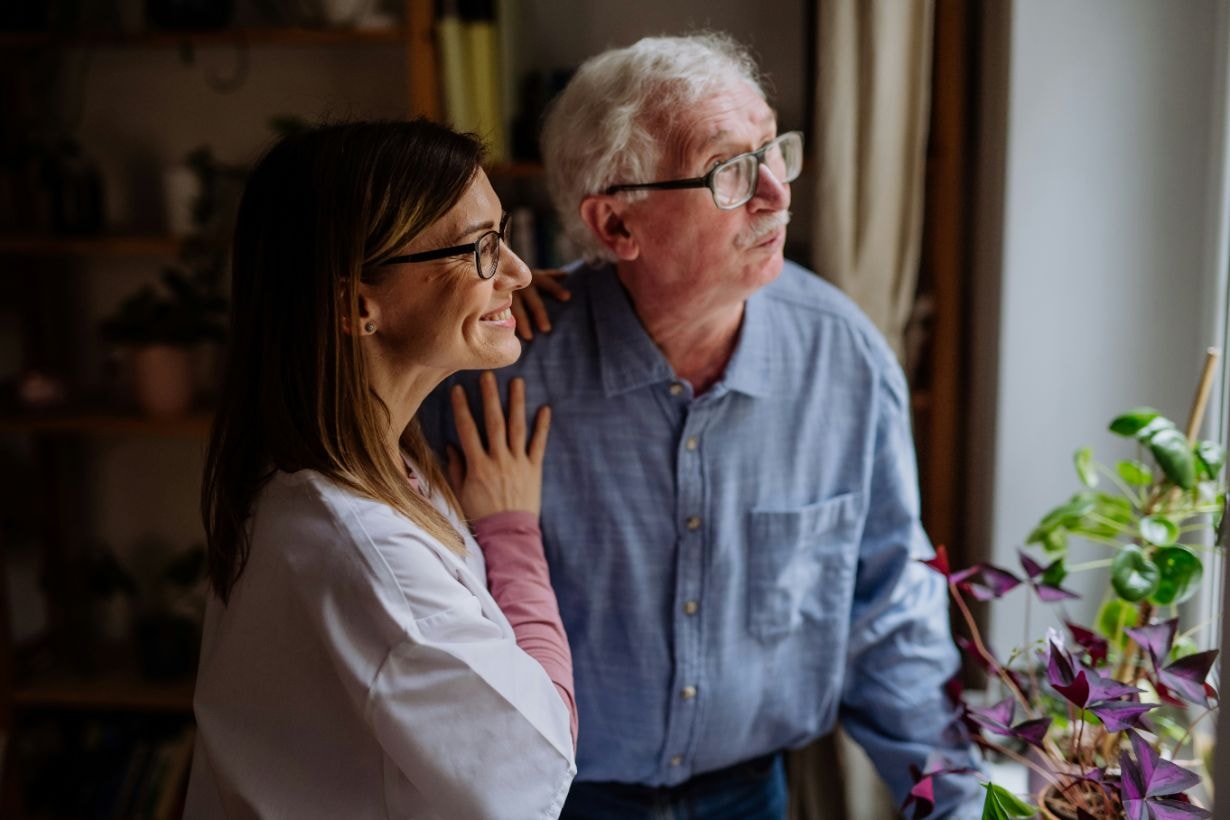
(687, 618)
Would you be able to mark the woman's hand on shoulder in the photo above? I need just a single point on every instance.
(507, 474)
(528, 301)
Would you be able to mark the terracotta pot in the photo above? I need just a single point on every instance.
(1053, 805)
(163, 379)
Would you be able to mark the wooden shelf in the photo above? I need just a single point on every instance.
(118, 691)
(107, 424)
(269, 35)
(91, 246)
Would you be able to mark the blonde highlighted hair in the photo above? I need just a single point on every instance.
(320, 210)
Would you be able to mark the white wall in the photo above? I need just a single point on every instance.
(1101, 276)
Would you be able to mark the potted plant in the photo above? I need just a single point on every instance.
(1103, 714)
(161, 325)
(159, 608)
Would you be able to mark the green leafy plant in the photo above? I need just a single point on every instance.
(1104, 714)
(181, 310)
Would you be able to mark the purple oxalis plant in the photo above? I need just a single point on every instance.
(1101, 717)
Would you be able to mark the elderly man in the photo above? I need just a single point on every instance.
(730, 507)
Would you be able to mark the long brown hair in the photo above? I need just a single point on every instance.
(320, 209)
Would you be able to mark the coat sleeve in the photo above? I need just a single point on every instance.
(470, 719)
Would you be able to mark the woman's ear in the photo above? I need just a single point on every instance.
(368, 308)
(604, 215)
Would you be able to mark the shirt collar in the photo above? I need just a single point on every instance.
(629, 359)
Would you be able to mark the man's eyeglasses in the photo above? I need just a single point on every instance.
(733, 182)
(486, 250)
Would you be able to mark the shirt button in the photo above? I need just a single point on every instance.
(692, 443)
(676, 389)
(690, 607)
(677, 760)
(688, 692)
(693, 522)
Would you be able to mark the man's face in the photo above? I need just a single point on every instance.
(686, 243)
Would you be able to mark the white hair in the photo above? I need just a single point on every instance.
(613, 122)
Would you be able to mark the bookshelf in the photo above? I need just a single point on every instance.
(50, 287)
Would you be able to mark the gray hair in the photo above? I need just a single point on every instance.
(614, 120)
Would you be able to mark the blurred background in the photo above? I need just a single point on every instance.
(1029, 198)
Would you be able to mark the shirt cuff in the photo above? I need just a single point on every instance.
(522, 522)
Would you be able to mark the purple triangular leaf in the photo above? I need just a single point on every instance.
(1032, 568)
(1132, 780)
(1159, 776)
(1077, 691)
(992, 582)
(1049, 594)
(1104, 688)
(940, 562)
(1162, 809)
(997, 717)
(1032, 731)
(1156, 638)
(1095, 645)
(1058, 666)
(1118, 715)
(1186, 676)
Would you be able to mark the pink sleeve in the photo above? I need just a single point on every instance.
(518, 579)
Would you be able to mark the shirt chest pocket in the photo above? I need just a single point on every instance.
(801, 565)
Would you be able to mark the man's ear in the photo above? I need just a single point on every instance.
(604, 215)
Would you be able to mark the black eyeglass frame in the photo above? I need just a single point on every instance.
(458, 250)
(707, 180)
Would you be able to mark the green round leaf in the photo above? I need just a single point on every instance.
(1114, 615)
(1133, 575)
(1084, 467)
(1180, 572)
(1054, 541)
(1175, 457)
(1135, 473)
(1210, 457)
(1131, 422)
(1183, 646)
(1054, 574)
(1159, 530)
(1154, 427)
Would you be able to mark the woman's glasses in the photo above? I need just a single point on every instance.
(486, 250)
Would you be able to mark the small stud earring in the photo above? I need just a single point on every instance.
(370, 327)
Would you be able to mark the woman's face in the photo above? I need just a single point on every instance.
(440, 315)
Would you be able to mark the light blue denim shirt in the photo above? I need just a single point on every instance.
(737, 570)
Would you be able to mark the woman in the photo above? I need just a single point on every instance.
(354, 662)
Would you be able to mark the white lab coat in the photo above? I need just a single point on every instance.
(362, 670)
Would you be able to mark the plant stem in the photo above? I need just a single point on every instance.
(1118, 482)
(1019, 758)
(1086, 565)
(976, 636)
(1188, 733)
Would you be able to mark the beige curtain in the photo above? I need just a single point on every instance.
(873, 86)
(873, 90)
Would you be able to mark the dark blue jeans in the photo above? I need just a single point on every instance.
(749, 791)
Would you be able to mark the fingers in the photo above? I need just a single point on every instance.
(467, 430)
(493, 412)
(533, 303)
(456, 472)
(523, 319)
(549, 281)
(538, 444)
(516, 416)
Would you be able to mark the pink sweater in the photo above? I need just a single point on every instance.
(518, 580)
